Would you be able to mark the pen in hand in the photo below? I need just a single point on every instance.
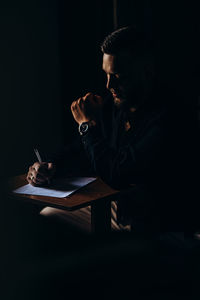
(39, 159)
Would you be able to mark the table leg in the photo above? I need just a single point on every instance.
(101, 216)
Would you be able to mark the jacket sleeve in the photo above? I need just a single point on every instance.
(71, 160)
(132, 162)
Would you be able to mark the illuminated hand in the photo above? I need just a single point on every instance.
(40, 173)
(86, 108)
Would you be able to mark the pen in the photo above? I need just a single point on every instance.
(38, 155)
(39, 159)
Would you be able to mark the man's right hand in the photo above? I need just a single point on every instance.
(40, 173)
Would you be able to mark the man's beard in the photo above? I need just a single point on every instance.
(118, 102)
(133, 99)
(123, 103)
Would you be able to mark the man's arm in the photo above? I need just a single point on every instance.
(68, 161)
(132, 161)
(71, 159)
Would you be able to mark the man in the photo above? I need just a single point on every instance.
(135, 136)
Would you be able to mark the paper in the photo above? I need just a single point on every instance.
(59, 188)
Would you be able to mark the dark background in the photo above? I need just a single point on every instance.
(50, 56)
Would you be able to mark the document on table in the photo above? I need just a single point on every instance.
(59, 188)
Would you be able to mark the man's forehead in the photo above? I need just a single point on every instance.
(118, 62)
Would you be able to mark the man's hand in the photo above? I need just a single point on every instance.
(40, 173)
(87, 108)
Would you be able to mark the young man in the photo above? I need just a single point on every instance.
(135, 136)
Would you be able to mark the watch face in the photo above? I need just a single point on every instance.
(83, 128)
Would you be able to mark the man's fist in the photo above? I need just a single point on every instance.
(40, 173)
(87, 108)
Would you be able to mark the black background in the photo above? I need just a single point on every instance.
(49, 56)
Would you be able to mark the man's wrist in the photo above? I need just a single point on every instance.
(84, 127)
(90, 123)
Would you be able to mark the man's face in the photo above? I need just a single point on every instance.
(125, 77)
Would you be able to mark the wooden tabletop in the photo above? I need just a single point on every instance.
(85, 196)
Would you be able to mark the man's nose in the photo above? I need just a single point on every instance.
(110, 82)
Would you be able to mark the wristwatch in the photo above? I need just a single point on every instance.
(83, 128)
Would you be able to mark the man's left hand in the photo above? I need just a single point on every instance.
(87, 108)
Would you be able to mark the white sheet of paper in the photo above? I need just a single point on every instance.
(59, 188)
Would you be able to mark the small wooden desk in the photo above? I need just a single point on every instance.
(97, 194)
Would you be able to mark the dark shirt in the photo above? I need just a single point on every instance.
(156, 154)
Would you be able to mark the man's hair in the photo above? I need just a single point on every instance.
(126, 39)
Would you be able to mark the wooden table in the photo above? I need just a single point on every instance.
(97, 194)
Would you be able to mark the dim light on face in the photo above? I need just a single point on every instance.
(125, 76)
